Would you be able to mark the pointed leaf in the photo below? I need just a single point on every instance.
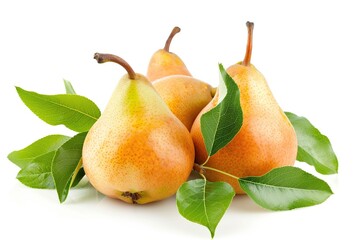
(37, 174)
(75, 112)
(42, 146)
(286, 188)
(68, 87)
(313, 147)
(204, 202)
(220, 125)
(65, 163)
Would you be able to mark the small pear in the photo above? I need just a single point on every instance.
(165, 63)
(185, 96)
(137, 151)
(266, 139)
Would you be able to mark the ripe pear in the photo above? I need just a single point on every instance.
(165, 63)
(266, 139)
(137, 151)
(185, 96)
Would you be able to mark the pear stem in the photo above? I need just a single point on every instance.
(172, 34)
(198, 168)
(247, 58)
(206, 161)
(219, 171)
(104, 57)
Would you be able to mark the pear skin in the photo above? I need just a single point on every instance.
(266, 139)
(185, 96)
(137, 151)
(165, 63)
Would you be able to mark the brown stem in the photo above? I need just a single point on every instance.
(172, 34)
(104, 57)
(198, 168)
(247, 58)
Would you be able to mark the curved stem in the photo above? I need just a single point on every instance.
(247, 58)
(172, 34)
(219, 171)
(104, 57)
(206, 161)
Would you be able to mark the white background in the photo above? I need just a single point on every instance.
(307, 50)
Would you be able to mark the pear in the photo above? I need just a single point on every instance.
(266, 139)
(165, 63)
(185, 96)
(137, 151)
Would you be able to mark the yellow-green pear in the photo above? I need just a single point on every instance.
(137, 151)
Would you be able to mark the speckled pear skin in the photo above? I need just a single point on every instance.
(137, 151)
(265, 141)
(164, 63)
(184, 95)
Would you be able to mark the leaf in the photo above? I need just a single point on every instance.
(79, 173)
(65, 164)
(313, 147)
(40, 147)
(220, 125)
(204, 202)
(75, 112)
(37, 174)
(36, 160)
(286, 188)
(68, 87)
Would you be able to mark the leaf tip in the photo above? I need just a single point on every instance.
(221, 68)
(10, 155)
(62, 195)
(212, 233)
(18, 88)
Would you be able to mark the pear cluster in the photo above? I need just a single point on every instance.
(144, 145)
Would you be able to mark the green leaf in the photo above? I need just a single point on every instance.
(204, 202)
(79, 173)
(68, 87)
(75, 112)
(286, 188)
(220, 125)
(65, 164)
(313, 147)
(40, 147)
(37, 174)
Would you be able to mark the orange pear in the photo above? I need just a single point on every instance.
(185, 96)
(137, 151)
(165, 63)
(266, 139)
